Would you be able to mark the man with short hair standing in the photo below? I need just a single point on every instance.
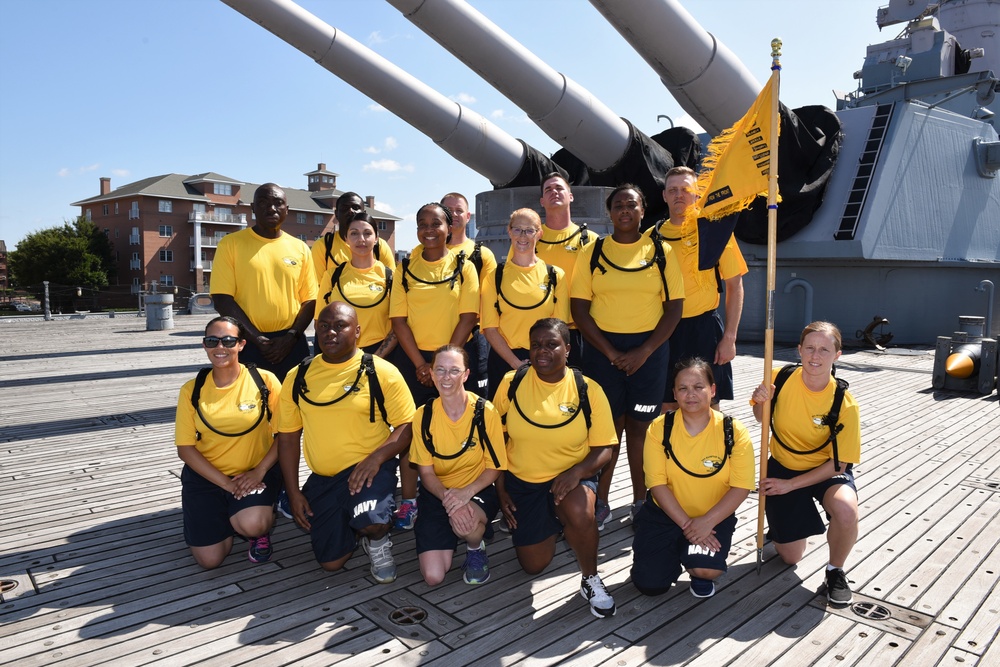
(263, 278)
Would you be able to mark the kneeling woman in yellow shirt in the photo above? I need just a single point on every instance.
(230, 478)
(458, 450)
(699, 467)
(553, 455)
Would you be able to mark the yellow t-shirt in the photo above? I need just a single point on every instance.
(366, 290)
(536, 454)
(270, 279)
(701, 289)
(627, 301)
(527, 288)
(232, 409)
(341, 253)
(432, 310)
(562, 248)
(699, 454)
(338, 436)
(797, 421)
(489, 259)
(450, 437)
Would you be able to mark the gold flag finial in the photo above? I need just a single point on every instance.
(776, 50)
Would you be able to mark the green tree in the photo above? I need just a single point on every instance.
(78, 253)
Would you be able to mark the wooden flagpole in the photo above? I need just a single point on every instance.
(772, 257)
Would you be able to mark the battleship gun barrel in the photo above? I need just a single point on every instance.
(465, 135)
(705, 77)
(563, 109)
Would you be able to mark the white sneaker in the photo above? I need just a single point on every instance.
(380, 553)
(592, 589)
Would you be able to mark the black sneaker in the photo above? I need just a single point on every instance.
(260, 549)
(837, 590)
(592, 589)
(702, 588)
(283, 506)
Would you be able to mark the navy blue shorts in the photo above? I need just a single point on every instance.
(478, 349)
(207, 508)
(421, 394)
(252, 354)
(433, 530)
(338, 516)
(660, 552)
(794, 515)
(536, 509)
(498, 368)
(698, 336)
(637, 395)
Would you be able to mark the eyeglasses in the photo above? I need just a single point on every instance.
(453, 372)
(213, 341)
(518, 231)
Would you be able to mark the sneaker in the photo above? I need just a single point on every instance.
(702, 588)
(406, 515)
(502, 525)
(476, 565)
(283, 507)
(603, 514)
(380, 553)
(634, 509)
(260, 549)
(837, 590)
(592, 589)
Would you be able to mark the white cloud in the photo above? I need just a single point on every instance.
(386, 166)
(90, 167)
(121, 173)
(389, 144)
(463, 98)
(376, 108)
(63, 173)
(376, 38)
(386, 208)
(500, 115)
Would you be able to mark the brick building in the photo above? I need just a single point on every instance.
(165, 229)
(4, 282)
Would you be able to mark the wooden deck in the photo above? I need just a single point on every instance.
(91, 535)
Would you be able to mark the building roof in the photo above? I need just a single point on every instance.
(180, 186)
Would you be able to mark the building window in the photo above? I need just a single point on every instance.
(116, 208)
(133, 213)
(382, 226)
(167, 280)
(116, 232)
(87, 214)
(136, 286)
(104, 209)
(314, 179)
(166, 231)
(318, 219)
(302, 237)
(135, 257)
(300, 218)
(166, 206)
(223, 214)
(198, 208)
(166, 255)
(222, 189)
(107, 231)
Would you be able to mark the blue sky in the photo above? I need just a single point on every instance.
(136, 88)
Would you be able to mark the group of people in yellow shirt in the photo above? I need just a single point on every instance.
(542, 450)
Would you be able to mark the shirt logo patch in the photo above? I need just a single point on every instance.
(567, 408)
(374, 288)
(289, 261)
(572, 248)
(246, 407)
(711, 462)
(643, 262)
(818, 420)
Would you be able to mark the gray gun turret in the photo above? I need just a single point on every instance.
(464, 134)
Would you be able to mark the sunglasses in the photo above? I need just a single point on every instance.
(213, 341)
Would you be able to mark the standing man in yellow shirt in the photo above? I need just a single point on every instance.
(700, 332)
(485, 262)
(562, 242)
(263, 278)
